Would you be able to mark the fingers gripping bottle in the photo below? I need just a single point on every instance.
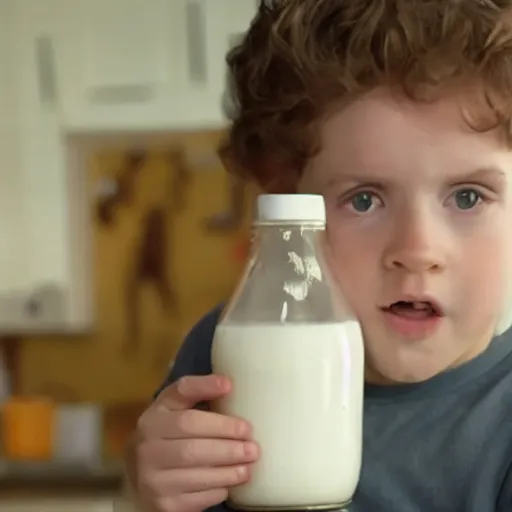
(294, 353)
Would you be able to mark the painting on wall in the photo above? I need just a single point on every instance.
(170, 235)
(153, 252)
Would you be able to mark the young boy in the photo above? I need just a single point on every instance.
(399, 113)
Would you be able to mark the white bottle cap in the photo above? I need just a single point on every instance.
(294, 208)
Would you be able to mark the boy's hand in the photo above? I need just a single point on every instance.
(183, 459)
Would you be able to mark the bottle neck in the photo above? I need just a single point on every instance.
(275, 241)
(284, 279)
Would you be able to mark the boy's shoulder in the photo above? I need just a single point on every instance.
(193, 358)
(445, 444)
(455, 442)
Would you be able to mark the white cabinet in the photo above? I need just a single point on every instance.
(117, 63)
(89, 66)
(239, 15)
(211, 28)
(201, 79)
(12, 256)
(44, 262)
(140, 65)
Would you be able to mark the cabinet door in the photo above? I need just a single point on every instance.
(51, 291)
(118, 63)
(145, 65)
(241, 13)
(201, 65)
(12, 253)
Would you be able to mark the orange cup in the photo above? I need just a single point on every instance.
(28, 428)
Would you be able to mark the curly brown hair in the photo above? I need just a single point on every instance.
(300, 57)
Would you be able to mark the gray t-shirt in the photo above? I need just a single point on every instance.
(444, 445)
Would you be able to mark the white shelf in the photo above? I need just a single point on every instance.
(55, 471)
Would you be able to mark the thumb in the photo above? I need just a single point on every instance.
(191, 390)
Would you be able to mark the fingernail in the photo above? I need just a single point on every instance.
(251, 450)
(242, 429)
(223, 383)
(242, 472)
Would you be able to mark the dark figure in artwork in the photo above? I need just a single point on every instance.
(151, 266)
(123, 190)
(154, 253)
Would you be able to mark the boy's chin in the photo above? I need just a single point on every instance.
(391, 364)
(394, 372)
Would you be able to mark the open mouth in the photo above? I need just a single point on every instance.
(414, 310)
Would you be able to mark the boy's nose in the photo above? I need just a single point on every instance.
(416, 247)
(414, 262)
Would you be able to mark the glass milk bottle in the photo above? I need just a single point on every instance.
(294, 353)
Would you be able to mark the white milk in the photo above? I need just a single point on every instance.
(301, 388)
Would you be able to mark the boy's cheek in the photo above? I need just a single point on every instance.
(355, 276)
(488, 279)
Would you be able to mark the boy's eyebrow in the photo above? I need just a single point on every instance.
(381, 182)
(487, 172)
(354, 178)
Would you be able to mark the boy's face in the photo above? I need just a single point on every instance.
(419, 210)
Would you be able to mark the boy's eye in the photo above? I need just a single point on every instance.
(467, 198)
(363, 202)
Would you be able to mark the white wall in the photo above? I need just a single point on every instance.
(12, 232)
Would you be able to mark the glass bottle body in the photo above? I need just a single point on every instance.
(294, 353)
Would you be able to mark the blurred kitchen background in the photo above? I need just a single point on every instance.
(119, 226)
